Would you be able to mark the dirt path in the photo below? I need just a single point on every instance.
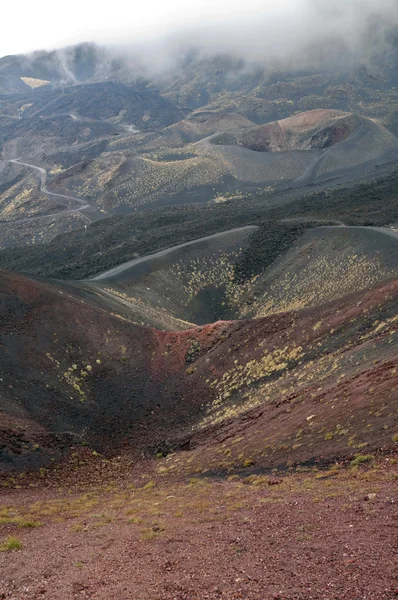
(385, 230)
(61, 198)
(132, 263)
(76, 117)
(115, 271)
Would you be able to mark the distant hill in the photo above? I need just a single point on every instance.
(218, 129)
(304, 149)
(65, 66)
(220, 82)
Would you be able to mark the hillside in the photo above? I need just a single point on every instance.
(199, 322)
(324, 264)
(109, 242)
(192, 283)
(151, 440)
(201, 281)
(222, 82)
(65, 66)
(221, 371)
(124, 139)
(305, 149)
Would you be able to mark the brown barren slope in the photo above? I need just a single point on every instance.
(244, 459)
(304, 385)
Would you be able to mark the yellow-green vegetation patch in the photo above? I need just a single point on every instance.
(148, 180)
(360, 459)
(215, 270)
(20, 522)
(34, 83)
(321, 280)
(74, 375)
(11, 543)
(304, 380)
(252, 371)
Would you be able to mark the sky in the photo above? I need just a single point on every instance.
(246, 26)
(41, 24)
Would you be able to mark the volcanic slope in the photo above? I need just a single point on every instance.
(61, 129)
(193, 282)
(221, 82)
(332, 140)
(103, 101)
(324, 264)
(239, 274)
(320, 382)
(303, 149)
(71, 64)
(20, 194)
(57, 129)
(115, 240)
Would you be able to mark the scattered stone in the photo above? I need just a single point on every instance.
(193, 352)
(369, 497)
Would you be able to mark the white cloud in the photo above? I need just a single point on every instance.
(255, 28)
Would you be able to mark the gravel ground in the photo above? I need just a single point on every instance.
(305, 536)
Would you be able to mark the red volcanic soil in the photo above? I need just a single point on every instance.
(339, 398)
(303, 386)
(240, 460)
(313, 129)
(327, 535)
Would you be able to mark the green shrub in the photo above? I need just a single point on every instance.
(359, 459)
(29, 524)
(11, 543)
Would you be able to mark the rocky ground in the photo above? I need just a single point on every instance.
(311, 534)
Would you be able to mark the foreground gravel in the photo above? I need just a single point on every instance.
(306, 536)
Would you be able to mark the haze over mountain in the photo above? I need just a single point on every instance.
(292, 33)
(199, 300)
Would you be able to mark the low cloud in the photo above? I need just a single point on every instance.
(294, 33)
(289, 34)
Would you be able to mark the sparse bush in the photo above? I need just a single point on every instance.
(11, 543)
(360, 459)
(153, 532)
(149, 485)
(29, 524)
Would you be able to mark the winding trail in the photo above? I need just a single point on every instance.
(76, 117)
(62, 199)
(136, 261)
(116, 271)
(385, 230)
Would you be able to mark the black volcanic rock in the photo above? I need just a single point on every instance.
(135, 104)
